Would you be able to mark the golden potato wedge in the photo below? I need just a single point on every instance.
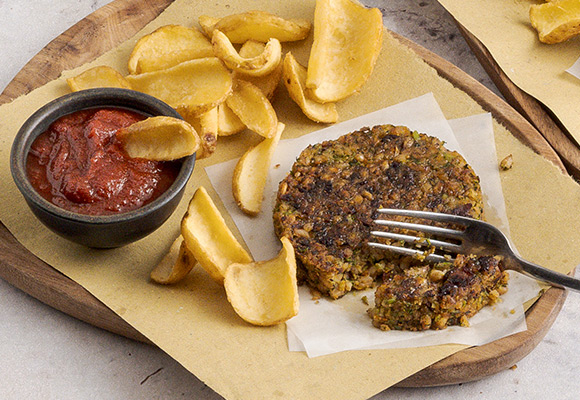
(159, 138)
(556, 21)
(100, 76)
(166, 47)
(176, 264)
(208, 237)
(267, 83)
(265, 293)
(251, 173)
(228, 122)
(206, 126)
(294, 77)
(252, 48)
(261, 26)
(194, 86)
(253, 108)
(259, 65)
(207, 24)
(347, 42)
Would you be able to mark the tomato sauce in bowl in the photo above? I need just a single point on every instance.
(78, 164)
(76, 178)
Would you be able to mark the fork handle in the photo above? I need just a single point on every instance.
(543, 274)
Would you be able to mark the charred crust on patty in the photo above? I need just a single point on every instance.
(327, 203)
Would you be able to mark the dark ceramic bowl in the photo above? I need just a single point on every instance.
(106, 231)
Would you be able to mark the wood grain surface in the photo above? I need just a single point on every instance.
(115, 23)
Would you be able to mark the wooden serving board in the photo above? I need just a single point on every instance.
(115, 23)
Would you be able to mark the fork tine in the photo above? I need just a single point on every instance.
(451, 247)
(433, 216)
(411, 252)
(428, 229)
(434, 230)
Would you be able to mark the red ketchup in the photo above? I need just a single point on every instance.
(79, 164)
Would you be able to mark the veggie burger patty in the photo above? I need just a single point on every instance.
(326, 206)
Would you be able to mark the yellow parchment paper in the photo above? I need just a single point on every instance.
(194, 323)
(537, 68)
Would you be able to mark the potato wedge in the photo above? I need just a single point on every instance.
(206, 126)
(100, 76)
(176, 264)
(294, 77)
(208, 237)
(260, 65)
(194, 86)
(347, 43)
(253, 108)
(262, 26)
(267, 83)
(556, 21)
(265, 293)
(159, 138)
(166, 47)
(228, 122)
(251, 173)
(252, 48)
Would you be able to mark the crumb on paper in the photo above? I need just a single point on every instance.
(316, 295)
(507, 162)
(514, 367)
(365, 300)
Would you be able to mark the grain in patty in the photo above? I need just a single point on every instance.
(327, 203)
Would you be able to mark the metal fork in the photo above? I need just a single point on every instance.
(477, 237)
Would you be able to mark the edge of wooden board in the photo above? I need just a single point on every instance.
(534, 111)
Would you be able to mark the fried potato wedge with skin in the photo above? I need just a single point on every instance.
(96, 77)
(262, 26)
(208, 237)
(260, 65)
(166, 47)
(253, 108)
(194, 86)
(176, 264)
(265, 293)
(294, 77)
(252, 48)
(206, 126)
(159, 138)
(228, 122)
(556, 21)
(267, 83)
(347, 43)
(251, 173)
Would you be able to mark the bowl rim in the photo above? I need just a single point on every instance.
(67, 104)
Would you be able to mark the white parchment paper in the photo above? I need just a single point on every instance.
(575, 69)
(329, 326)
